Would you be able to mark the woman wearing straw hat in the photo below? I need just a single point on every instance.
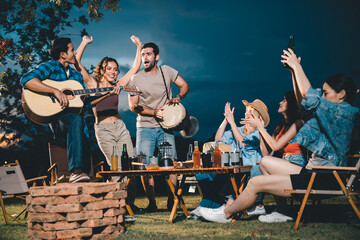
(252, 148)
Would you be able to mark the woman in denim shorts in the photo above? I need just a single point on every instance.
(285, 130)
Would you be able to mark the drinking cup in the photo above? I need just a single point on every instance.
(224, 159)
(235, 158)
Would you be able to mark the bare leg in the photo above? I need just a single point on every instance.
(273, 184)
(148, 184)
(272, 165)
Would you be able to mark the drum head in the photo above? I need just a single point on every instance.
(173, 115)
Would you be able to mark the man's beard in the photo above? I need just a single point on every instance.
(151, 66)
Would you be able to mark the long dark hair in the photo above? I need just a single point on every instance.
(291, 114)
(102, 66)
(341, 81)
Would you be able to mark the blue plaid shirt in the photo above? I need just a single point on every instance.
(53, 70)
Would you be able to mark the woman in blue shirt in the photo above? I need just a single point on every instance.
(214, 186)
(327, 135)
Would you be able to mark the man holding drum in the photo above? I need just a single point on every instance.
(155, 84)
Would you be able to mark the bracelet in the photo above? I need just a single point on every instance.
(179, 96)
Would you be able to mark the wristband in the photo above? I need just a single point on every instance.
(178, 96)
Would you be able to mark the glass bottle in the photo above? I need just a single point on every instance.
(114, 160)
(291, 46)
(292, 43)
(189, 155)
(124, 159)
(217, 155)
(196, 155)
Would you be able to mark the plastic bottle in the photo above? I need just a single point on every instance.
(196, 155)
(114, 160)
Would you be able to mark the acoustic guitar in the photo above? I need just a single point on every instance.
(43, 108)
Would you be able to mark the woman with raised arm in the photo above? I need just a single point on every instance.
(294, 153)
(251, 148)
(327, 135)
(110, 130)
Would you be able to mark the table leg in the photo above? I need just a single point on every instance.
(238, 190)
(177, 198)
(179, 195)
(128, 208)
(234, 185)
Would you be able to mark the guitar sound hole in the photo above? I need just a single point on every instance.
(68, 93)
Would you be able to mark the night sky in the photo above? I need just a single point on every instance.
(230, 50)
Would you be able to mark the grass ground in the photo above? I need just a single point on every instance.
(334, 219)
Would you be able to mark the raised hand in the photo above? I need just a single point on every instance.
(229, 113)
(136, 40)
(289, 58)
(253, 121)
(86, 39)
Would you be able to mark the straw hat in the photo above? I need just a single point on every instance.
(261, 108)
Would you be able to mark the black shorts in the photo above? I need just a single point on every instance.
(323, 181)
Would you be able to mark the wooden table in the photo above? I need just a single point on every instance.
(184, 172)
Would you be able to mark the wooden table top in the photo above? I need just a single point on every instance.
(183, 171)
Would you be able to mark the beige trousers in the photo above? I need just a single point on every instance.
(110, 134)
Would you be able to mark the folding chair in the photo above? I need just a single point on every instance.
(345, 177)
(14, 185)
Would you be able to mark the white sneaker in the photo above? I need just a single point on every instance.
(82, 177)
(196, 212)
(274, 217)
(215, 215)
(256, 211)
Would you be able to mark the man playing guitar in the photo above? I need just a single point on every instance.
(68, 124)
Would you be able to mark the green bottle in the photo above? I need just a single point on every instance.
(292, 46)
(292, 43)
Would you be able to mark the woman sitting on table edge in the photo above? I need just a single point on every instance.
(327, 135)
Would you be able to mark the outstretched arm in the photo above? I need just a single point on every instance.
(302, 81)
(80, 50)
(274, 144)
(296, 90)
(136, 65)
(88, 79)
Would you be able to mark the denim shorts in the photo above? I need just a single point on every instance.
(318, 160)
(297, 159)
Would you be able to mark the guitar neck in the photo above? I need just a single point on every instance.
(89, 91)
